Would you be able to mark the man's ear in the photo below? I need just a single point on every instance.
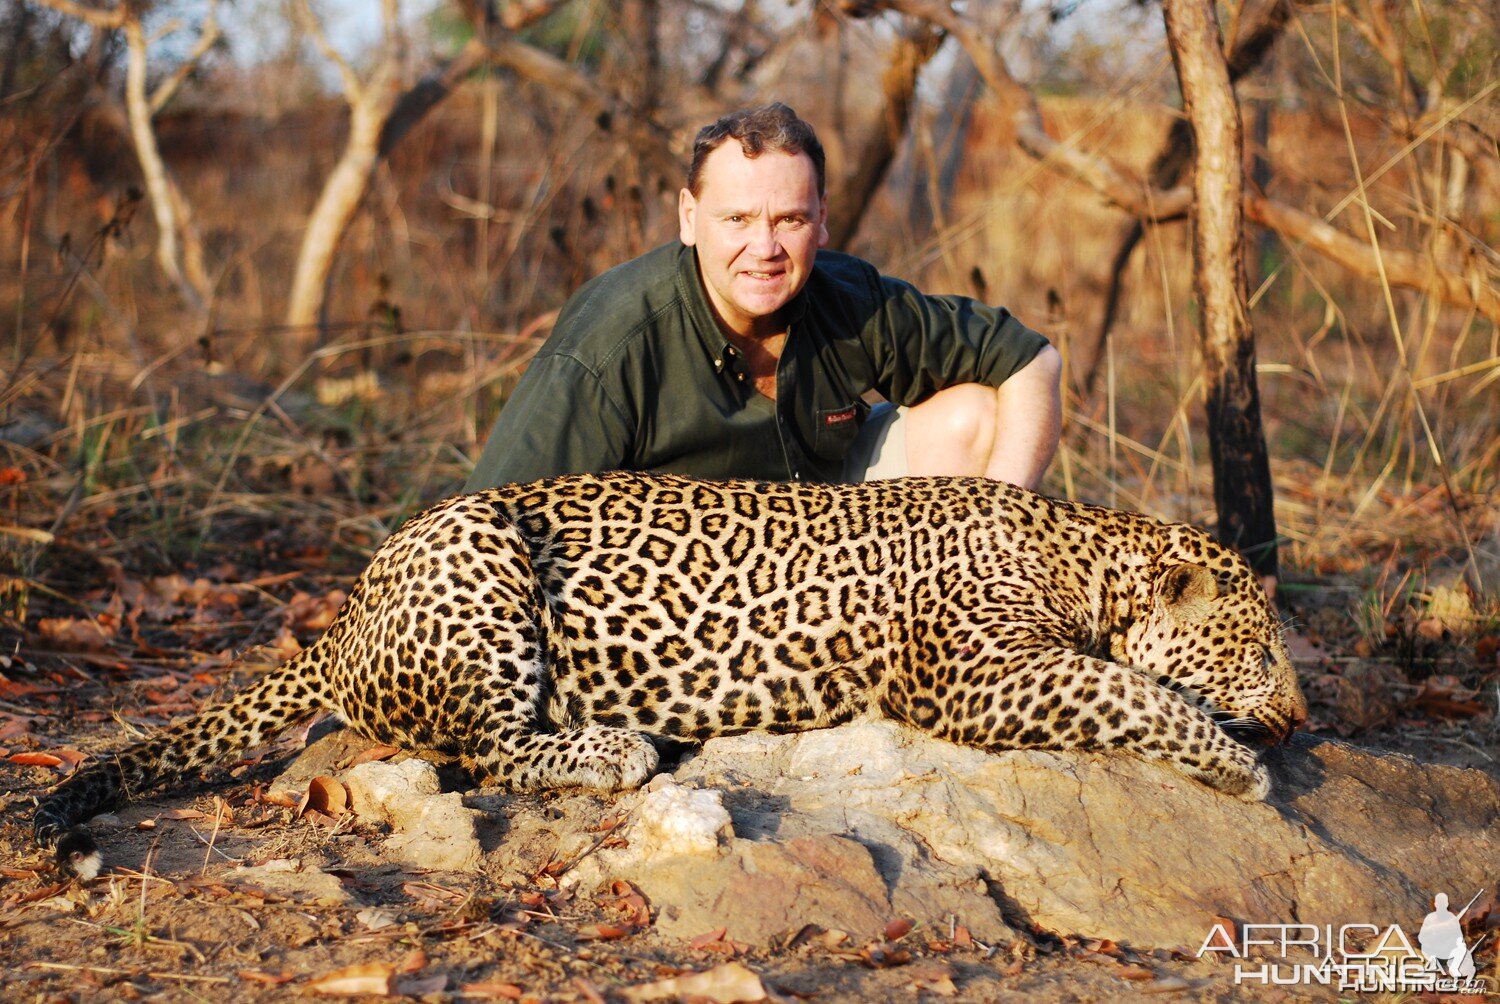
(687, 215)
(1185, 588)
(822, 222)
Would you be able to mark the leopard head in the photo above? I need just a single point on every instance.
(1212, 636)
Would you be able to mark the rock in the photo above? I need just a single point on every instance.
(672, 819)
(681, 852)
(295, 880)
(1101, 846)
(667, 821)
(329, 747)
(430, 829)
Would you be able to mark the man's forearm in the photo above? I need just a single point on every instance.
(1028, 421)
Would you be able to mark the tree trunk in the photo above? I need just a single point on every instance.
(1237, 444)
(154, 171)
(337, 203)
(899, 85)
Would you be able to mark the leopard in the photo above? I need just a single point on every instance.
(562, 633)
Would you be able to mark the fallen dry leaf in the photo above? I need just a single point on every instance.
(898, 929)
(325, 795)
(35, 759)
(603, 932)
(75, 633)
(884, 955)
(1135, 973)
(313, 613)
(933, 977)
(415, 960)
(46, 892)
(269, 979)
(71, 757)
(373, 754)
(281, 798)
(709, 937)
(10, 690)
(490, 990)
(1445, 697)
(366, 978)
(724, 984)
(376, 918)
(1102, 947)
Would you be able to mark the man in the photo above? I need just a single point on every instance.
(745, 351)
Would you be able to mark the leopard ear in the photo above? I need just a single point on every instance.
(1185, 585)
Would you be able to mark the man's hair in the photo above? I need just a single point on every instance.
(769, 127)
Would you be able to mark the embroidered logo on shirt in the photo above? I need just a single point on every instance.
(839, 417)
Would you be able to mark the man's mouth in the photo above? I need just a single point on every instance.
(762, 276)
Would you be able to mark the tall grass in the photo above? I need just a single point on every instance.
(146, 433)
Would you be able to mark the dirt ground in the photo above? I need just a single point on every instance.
(174, 919)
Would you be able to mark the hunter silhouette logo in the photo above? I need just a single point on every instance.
(1442, 939)
(1355, 957)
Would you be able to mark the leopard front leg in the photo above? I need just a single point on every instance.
(1053, 698)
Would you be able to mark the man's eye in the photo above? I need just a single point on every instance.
(736, 218)
(793, 223)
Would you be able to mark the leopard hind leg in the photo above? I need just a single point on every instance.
(490, 685)
(257, 714)
(511, 743)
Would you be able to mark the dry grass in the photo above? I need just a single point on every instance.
(126, 416)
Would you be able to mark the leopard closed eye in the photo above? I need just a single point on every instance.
(545, 634)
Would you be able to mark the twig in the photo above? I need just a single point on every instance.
(107, 971)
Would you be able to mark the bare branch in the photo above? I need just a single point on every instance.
(353, 88)
(108, 19)
(1141, 199)
(208, 36)
(1476, 289)
(559, 75)
(898, 82)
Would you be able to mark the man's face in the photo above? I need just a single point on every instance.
(757, 223)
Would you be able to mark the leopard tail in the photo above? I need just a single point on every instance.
(254, 716)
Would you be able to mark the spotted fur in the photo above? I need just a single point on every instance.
(543, 634)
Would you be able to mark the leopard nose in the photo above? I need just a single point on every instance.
(1294, 721)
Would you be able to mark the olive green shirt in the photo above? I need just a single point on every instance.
(638, 376)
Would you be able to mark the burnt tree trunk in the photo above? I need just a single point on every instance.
(847, 206)
(1237, 442)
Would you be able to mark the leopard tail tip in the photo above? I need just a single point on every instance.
(78, 855)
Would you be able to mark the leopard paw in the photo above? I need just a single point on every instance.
(1247, 782)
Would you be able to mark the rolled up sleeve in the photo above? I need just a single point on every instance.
(922, 344)
(561, 419)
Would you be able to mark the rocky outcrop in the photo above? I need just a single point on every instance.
(1107, 847)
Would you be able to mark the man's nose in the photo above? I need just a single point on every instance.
(764, 241)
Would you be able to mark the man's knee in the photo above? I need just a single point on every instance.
(960, 418)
